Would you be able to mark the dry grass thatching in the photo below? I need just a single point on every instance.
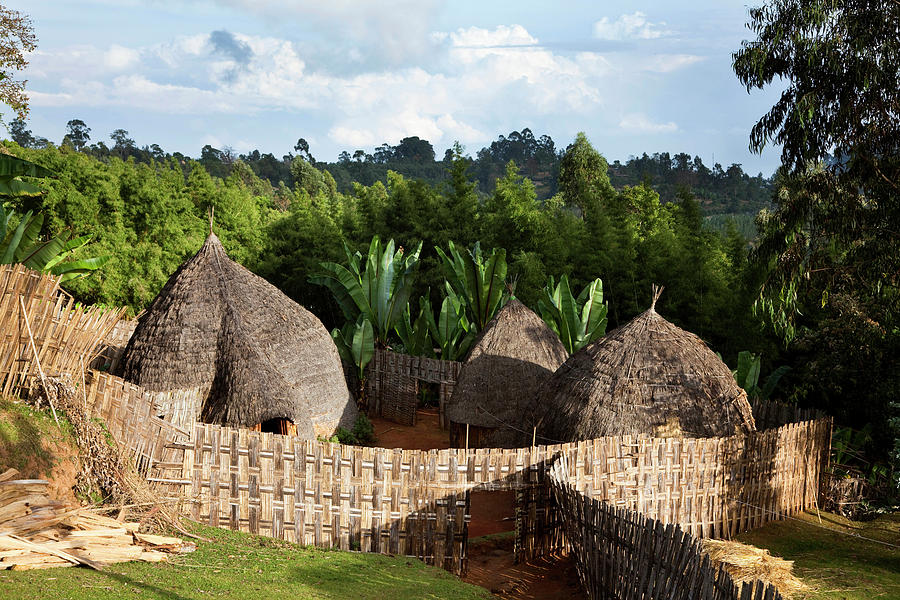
(216, 326)
(514, 354)
(748, 563)
(647, 377)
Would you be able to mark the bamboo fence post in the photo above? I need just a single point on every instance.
(37, 360)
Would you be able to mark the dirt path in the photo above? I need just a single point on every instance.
(424, 435)
(492, 566)
(491, 561)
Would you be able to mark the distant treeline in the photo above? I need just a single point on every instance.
(720, 191)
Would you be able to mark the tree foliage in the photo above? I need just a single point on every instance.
(17, 39)
(828, 264)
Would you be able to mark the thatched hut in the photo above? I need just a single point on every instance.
(514, 354)
(222, 344)
(647, 377)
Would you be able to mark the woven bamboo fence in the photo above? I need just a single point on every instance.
(42, 329)
(620, 553)
(345, 496)
(112, 347)
(407, 501)
(133, 419)
(392, 384)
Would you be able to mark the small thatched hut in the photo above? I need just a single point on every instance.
(514, 354)
(647, 377)
(224, 345)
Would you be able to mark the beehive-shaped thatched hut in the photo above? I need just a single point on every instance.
(224, 345)
(514, 354)
(647, 377)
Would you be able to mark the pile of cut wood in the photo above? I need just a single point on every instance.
(37, 532)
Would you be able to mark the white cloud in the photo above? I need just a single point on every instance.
(640, 123)
(502, 35)
(666, 63)
(119, 57)
(629, 27)
(395, 31)
(485, 76)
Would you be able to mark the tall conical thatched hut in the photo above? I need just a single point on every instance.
(647, 377)
(514, 354)
(224, 345)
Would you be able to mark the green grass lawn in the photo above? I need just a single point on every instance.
(837, 565)
(244, 567)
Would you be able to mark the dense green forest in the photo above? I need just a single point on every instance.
(720, 191)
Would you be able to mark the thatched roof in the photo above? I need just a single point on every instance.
(648, 376)
(253, 352)
(513, 355)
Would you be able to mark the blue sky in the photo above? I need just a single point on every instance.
(634, 76)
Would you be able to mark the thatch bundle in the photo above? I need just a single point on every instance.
(748, 563)
(245, 352)
(647, 377)
(514, 354)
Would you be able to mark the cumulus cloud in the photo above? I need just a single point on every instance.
(629, 27)
(392, 31)
(484, 77)
(640, 123)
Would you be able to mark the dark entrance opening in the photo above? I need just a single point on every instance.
(280, 425)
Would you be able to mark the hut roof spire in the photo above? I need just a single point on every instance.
(657, 292)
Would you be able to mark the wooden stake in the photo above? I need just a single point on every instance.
(38, 360)
(84, 387)
(534, 437)
(467, 437)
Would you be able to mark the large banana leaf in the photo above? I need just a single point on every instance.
(481, 283)
(345, 287)
(16, 188)
(79, 268)
(577, 321)
(380, 292)
(19, 237)
(13, 166)
(747, 375)
(362, 345)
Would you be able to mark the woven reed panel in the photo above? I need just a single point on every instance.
(131, 418)
(111, 349)
(620, 553)
(322, 494)
(392, 384)
(65, 337)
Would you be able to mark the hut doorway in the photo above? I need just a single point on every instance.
(280, 425)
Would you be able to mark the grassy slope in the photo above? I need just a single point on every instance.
(834, 563)
(243, 566)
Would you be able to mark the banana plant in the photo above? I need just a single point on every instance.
(477, 280)
(577, 321)
(452, 331)
(356, 345)
(415, 335)
(379, 290)
(12, 169)
(21, 244)
(747, 376)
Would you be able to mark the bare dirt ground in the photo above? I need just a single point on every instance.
(491, 559)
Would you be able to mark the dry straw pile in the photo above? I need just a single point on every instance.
(748, 563)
